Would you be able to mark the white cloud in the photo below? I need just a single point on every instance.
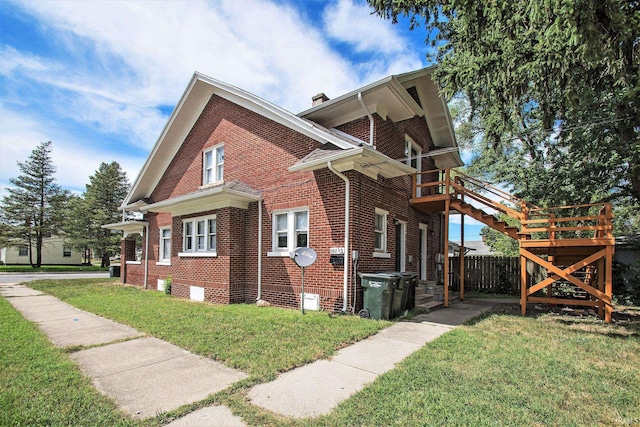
(75, 159)
(111, 66)
(356, 25)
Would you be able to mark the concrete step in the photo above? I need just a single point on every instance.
(428, 307)
(422, 299)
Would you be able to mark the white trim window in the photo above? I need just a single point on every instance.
(213, 165)
(199, 236)
(290, 231)
(380, 233)
(164, 248)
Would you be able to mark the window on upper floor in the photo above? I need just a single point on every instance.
(199, 236)
(290, 231)
(213, 165)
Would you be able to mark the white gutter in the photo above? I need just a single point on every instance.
(146, 257)
(346, 236)
(370, 119)
(259, 250)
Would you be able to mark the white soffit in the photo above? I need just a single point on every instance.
(386, 97)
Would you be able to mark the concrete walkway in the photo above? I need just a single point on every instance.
(146, 375)
(143, 375)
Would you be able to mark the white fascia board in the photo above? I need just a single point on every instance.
(220, 193)
(322, 163)
(127, 226)
(154, 152)
(272, 111)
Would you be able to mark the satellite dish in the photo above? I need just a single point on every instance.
(304, 257)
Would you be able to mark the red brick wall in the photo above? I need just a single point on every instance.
(258, 152)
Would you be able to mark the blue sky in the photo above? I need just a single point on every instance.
(100, 78)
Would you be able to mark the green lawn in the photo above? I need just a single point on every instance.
(261, 341)
(500, 370)
(40, 386)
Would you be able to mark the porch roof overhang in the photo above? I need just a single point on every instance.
(206, 199)
(362, 159)
(128, 227)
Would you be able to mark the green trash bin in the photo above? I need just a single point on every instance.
(404, 288)
(378, 295)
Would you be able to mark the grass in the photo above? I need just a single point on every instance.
(502, 369)
(50, 268)
(510, 370)
(40, 386)
(261, 341)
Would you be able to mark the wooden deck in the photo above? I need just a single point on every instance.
(575, 244)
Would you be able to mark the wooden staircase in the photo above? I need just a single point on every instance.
(574, 245)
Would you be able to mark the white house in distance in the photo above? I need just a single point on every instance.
(54, 252)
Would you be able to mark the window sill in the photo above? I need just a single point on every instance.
(197, 254)
(381, 255)
(133, 262)
(163, 263)
(279, 254)
(210, 184)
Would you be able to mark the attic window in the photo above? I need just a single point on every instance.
(213, 165)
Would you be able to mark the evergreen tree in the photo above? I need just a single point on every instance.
(34, 207)
(106, 190)
(550, 89)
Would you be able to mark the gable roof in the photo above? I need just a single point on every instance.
(187, 112)
(387, 97)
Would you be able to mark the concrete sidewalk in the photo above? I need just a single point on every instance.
(145, 375)
(316, 389)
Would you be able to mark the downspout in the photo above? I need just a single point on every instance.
(146, 257)
(370, 119)
(346, 237)
(259, 250)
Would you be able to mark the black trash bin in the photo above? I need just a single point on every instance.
(403, 293)
(378, 294)
(114, 271)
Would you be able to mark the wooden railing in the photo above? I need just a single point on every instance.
(576, 221)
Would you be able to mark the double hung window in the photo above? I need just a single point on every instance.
(380, 240)
(213, 165)
(165, 246)
(199, 236)
(290, 231)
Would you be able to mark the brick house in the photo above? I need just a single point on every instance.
(234, 184)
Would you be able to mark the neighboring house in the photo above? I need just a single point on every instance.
(628, 249)
(477, 247)
(235, 184)
(54, 252)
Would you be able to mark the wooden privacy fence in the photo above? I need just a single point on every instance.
(485, 273)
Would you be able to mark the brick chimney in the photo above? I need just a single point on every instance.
(319, 99)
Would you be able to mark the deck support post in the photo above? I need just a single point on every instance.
(523, 284)
(461, 257)
(608, 285)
